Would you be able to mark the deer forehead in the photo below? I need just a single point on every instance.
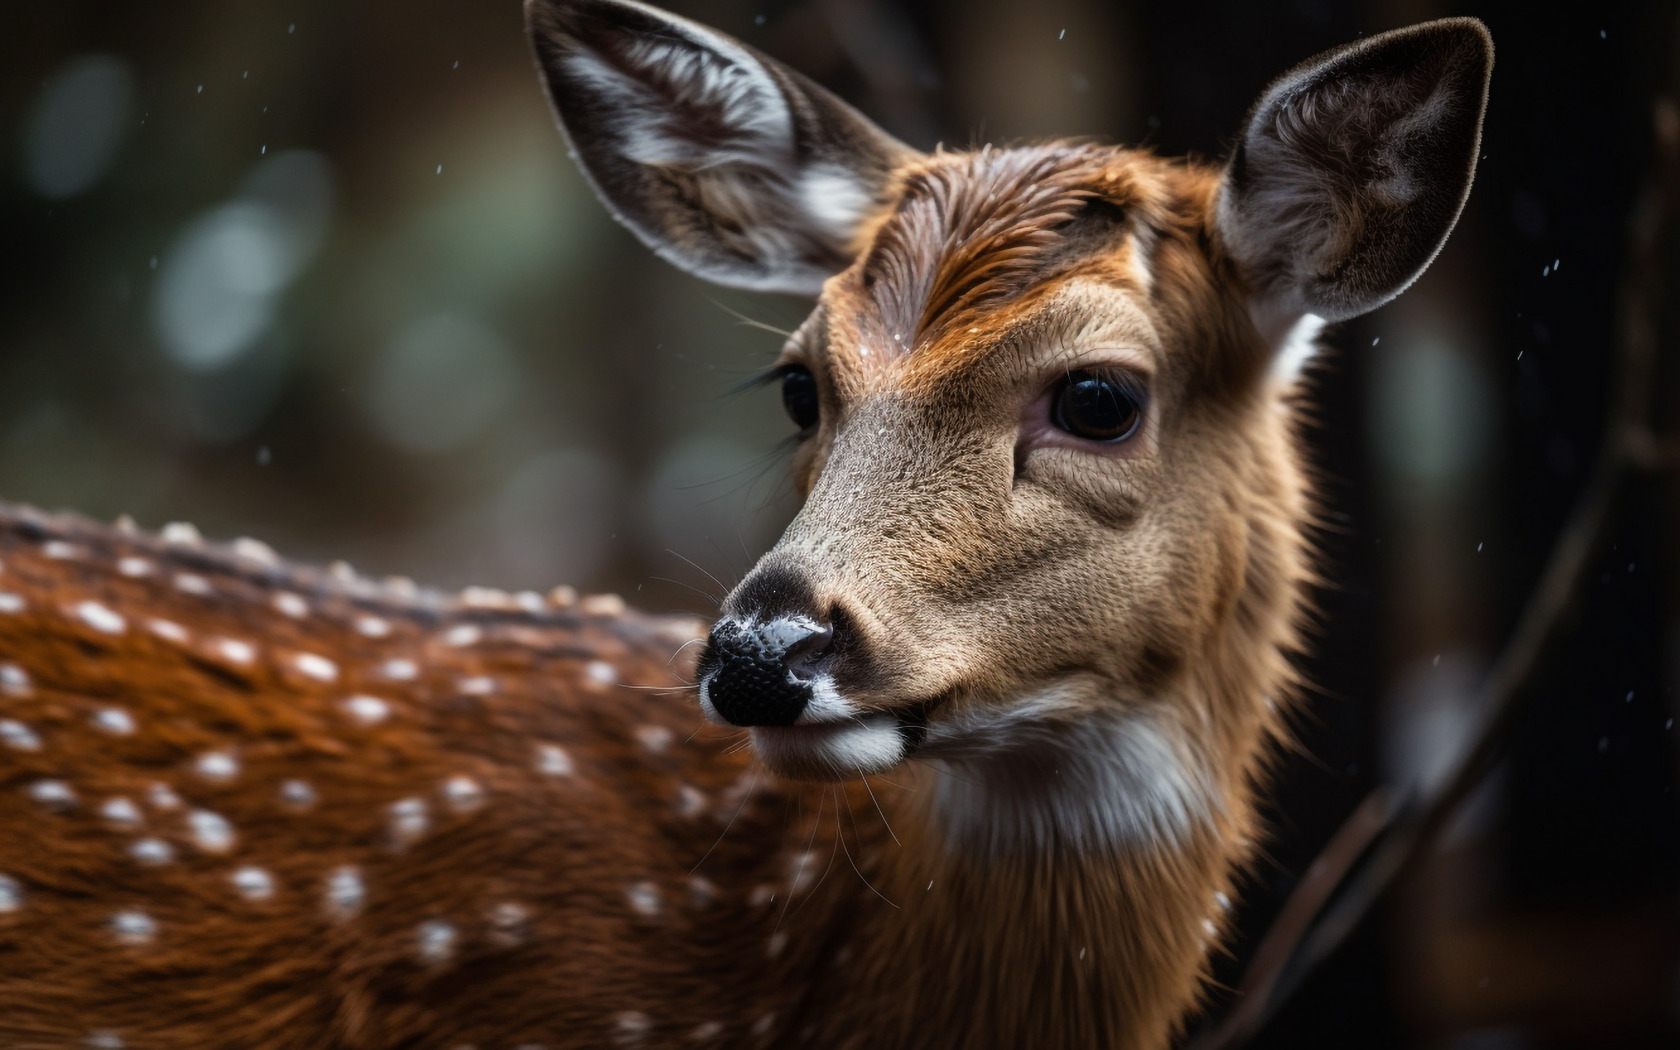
(974, 255)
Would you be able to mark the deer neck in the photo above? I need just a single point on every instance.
(1057, 894)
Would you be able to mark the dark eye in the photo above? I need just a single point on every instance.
(1098, 406)
(799, 397)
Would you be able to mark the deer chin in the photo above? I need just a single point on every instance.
(861, 744)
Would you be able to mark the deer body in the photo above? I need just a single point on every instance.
(256, 805)
(1008, 680)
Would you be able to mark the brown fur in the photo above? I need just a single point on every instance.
(1177, 574)
(1099, 639)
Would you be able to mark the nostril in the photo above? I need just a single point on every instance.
(804, 657)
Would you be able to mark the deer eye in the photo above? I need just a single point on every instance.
(799, 397)
(1098, 406)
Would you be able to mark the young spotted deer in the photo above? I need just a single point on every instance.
(1009, 680)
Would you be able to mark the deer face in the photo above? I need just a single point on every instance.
(1045, 448)
(1008, 516)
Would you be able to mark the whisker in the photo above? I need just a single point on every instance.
(883, 778)
(879, 810)
(720, 584)
(690, 738)
(945, 771)
(853, 862)
(680, 648)
(714, 599)
(744, 798)
(748, 321)
(816, 822)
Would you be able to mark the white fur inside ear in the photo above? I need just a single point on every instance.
(745, 117)
(834, 200)
(1030, 777)
(1403, 186)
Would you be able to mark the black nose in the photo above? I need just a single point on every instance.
(758, 673)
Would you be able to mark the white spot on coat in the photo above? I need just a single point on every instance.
(691, 801)
(317, 667)
(297, 794)
(345, 893)
(211, 831)
(168, 630)
(103, 1040)
(601, 672)
(291, 604)
(462, 635)
(644, 898)
(114, 720)
(133, 927)
(701, 892)
(11, 603)
(100, 618)
(479, 685)
(132, 566)
(601, 605)
(509, 923)
(192, 583)
(407, 821)
(654, 738)
(631, 1028)
(18, 736)
(121, 811)
(463, 794)
(553, 761)
(14, 680)
(219, 766)
(11, 894)
(53, 794)
(434, 940)
(181, 533)
(58, 550)
(372, 627)
(255, 550)
(152, 851)
(400, 670)
(802, 869)
(367, 710)
(236, 651)
(161, 796)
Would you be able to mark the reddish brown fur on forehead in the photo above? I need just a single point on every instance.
(972, 230)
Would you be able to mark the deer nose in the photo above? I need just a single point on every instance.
(759, 673)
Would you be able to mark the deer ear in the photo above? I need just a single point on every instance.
(723, 161)
(1352, 170)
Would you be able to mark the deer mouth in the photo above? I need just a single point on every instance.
(872, 742)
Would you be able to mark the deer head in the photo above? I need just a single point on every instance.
(1053, 512)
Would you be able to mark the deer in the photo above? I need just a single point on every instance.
(970, 758)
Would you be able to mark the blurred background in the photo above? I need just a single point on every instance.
(320, 272)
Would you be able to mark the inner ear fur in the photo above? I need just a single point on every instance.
(1353, 168)
(722, 160)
